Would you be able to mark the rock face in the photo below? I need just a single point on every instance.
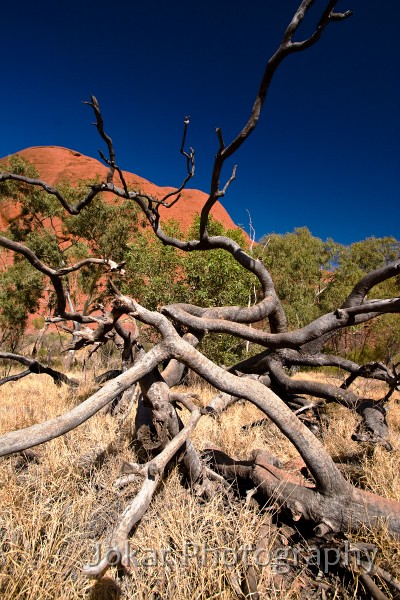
(56, 164)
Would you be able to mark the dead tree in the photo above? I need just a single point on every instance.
(328, 500)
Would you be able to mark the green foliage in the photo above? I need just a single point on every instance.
(35, 205)
(103, 230)
(300, 266)
(215, 278)
(381, 337)
(158, 275)
(155, 273)
(355, 261)
(21, 287)
(311, 276)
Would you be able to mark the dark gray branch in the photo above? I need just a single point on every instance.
(361, 289)
(35, 367)
(294, 339)
(286, 47)
(61, 295)
(328, 478)
(15, 377)
(289, 357)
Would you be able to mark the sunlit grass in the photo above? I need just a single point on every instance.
(58, 502)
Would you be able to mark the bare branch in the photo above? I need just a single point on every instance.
(113, 266)
(37, 368)
(361, 289)
(100, 128)
(327, 17)
(29, 255)
(303, 500)
(135, 511)
(43, 432)
(326, 474)
(15, 377)
(289, 357)
(105, 323)
(286, 47)
(222, 192)
(295, 339)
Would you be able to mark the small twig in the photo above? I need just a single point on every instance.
(252, 232)
(304, 408)
(222, 192)
(118, 169)
(220, 139)
(190, 169)
(100, 128)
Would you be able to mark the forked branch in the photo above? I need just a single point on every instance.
(153, 471)
(286, 47)
(35, 367)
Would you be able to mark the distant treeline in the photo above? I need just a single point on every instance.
(311, 276)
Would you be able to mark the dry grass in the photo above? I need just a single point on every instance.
(57, 504)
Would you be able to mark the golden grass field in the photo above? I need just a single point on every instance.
(56, 506)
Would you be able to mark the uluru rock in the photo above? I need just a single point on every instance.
(55, 165)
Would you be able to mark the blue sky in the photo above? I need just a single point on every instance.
(325, 154)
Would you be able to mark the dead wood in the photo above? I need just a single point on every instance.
(133, 513)
(302, 499)
(318, 493)
(35, 367)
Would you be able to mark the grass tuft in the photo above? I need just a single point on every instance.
(58, 503)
